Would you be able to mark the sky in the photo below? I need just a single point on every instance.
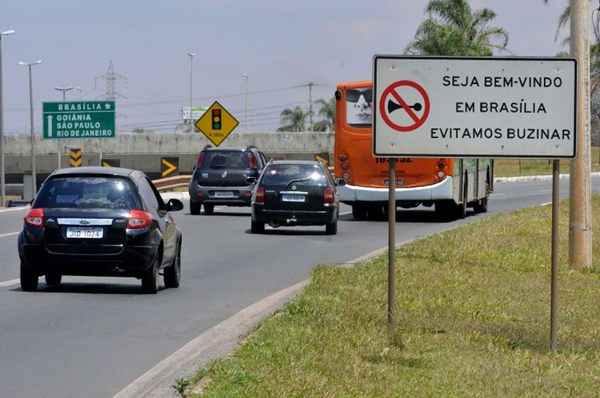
(279, 44)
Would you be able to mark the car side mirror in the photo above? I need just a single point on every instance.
(250, 180)
(174, 205)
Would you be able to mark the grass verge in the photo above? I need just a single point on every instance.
(474, 314)
(530, 167)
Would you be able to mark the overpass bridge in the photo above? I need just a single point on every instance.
(145, 151)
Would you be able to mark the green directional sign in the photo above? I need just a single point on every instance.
(79, 119)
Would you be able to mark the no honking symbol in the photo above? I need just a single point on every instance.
(404, 106)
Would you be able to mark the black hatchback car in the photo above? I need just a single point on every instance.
(292, 193)
(95, 221)
(224, 177)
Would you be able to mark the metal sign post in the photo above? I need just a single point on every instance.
(392, 245)
(554, 255)
(461, 107)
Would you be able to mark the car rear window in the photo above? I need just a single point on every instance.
(88, 193)
(279, 174)
(226, 160)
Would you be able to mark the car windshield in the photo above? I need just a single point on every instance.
(281, 174)
(88, 193)
(226, 160)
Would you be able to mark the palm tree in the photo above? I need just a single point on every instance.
(563, 21)
(292, 119)
(453, 28)
(327, 114)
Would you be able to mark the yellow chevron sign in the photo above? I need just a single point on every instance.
(168, 166)
(75, 157)
(111, 163)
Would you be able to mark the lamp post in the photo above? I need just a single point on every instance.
(191, 55)
(2, 169)
(33, 165)
(245, 77)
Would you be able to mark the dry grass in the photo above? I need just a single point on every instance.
(515, 167)
(474, 315)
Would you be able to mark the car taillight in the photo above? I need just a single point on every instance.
(35, 218)
(200, 160)
(251, 160)
(328, 195)
(260, 195)
(139, 219)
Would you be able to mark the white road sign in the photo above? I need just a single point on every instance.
(474, 107)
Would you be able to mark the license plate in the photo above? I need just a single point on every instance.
(85, 233)
(223, 194)
(399, 182)
(288, 197)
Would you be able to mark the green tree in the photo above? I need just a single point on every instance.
(327, 115)
(453, 28)
(293, 119)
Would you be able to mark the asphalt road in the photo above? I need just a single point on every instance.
(96, 335)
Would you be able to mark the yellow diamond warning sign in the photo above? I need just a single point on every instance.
(216, 123)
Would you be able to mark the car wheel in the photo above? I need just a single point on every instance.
(53, 279)
(209, 209)
(172, 274)
(331, 228)
(257, 227)
(195, 208)
(29, 279)
(150, 279)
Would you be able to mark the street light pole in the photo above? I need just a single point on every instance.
(33, 163)
(245, 77)
(63, 91)
(580, 214)
(2, 163)
(191, 55)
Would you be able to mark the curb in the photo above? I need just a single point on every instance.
(220, 340)
(214, 343)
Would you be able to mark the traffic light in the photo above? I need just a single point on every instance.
(216, 119)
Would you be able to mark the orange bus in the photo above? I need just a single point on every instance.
(451, 185)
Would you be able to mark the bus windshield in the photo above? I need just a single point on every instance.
(359, 107)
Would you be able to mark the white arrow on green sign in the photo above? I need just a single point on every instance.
(79, 119)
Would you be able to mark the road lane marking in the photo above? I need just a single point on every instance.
(9, 234)
(10, 283)
(11, 209)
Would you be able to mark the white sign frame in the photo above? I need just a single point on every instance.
(495, 149)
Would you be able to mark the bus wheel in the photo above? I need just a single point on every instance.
(359, 212)
(481, 206)
(445, 209)
(375, 213)
(461, 208)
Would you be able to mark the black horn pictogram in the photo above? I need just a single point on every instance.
(392, 106)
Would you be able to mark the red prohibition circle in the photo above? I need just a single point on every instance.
(418, 121)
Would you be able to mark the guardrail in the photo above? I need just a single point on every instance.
(163, 184)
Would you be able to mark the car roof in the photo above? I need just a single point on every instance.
(212, 149)
(94, 170)
(296, 162)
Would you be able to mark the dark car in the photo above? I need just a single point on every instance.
(95, 221)
(224, 177)
(292, 193)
